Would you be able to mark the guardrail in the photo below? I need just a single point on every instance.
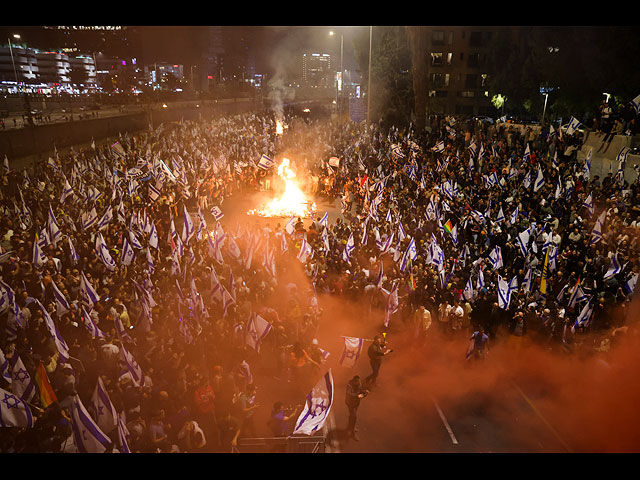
(292, 444)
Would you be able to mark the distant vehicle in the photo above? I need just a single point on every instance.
(485, 119)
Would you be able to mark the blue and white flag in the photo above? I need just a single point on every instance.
(410, 254)
(630, 284)
(495, 257)
(5, 370)
(130, 367)
(86, 434)
(106, 415)
(14, 412)
(89, 219)
(523, 242)
(106, 218)
(504, 294)
(584, 317)
(572, 126)
(501, 217)
(438, 147)
(351, 352)
(514, 217)
(586, 168)
(265, 163)
(380, 276)
(256, 330)
(348, 249)
(88, 294)
(62, 304)
(305, 251)
(188, 230)
(527, 180)
(317, 407)
(123, 434)
(61, 345)
(596, 234)
(217, 213)
(127, 255)
(468, 293)
(154, 193)
(539, 180)
(384, 248)
(527, 283)
(290, 225)
(22, 385)
(103, 253)
(324, 221)
(480, 282)
(635, 103)
(614, 268)
(153, 236)
(53, 229)
(392, 304)
(93, 329)
(588, 204)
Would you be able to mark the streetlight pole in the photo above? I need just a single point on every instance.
(369, 80)
(546, 97)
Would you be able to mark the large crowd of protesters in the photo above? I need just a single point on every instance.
(120, 277)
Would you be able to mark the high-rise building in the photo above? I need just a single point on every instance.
(456, 58)
(317, 70)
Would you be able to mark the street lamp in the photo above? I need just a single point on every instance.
(369, 80)
(339, 100)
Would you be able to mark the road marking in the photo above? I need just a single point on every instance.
(444, 421)
(544, 420)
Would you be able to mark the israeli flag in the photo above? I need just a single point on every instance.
(348, 249)
(527, 283)
(317, 407)
(87, 293)
(290, 225)
(500, 218)
(480, 282)
(217, 213)
(392, 304)
(324, 221)
(88, 437)
(630, 284)
(105, 413)
(127, 255)
(527, 180)
(62, 305)
(22, 384)
(468, 293)
(384, 248)
(514, 217)
(130, 367)
(410, 254)
(572, 126)
(584, 317)
(539, 180)
(93, 329)
(614, 268)
(61, 345)
(53, 229)
(265, 163)
(596, 234)
(106, 218)
(103, 253)
(154, 193)
(351, 352)
(523, 242)
(89, 219)
(588, 204)
(306, 251)
(504, 294)
(256, 330)
(14, 412)
(153, 236)
(495, 257)
(438, 147)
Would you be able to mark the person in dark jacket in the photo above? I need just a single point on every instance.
(355, 392)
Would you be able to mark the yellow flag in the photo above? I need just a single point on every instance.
(545, 272)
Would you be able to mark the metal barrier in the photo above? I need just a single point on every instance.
(293, 444)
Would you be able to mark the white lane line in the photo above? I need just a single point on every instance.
(444, 421)
(544, 420)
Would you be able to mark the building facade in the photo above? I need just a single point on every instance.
(456, 59)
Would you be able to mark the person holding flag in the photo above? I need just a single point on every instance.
(376, 351)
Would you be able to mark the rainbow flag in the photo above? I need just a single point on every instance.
(47, 395)
(412, 282)
(448, 226)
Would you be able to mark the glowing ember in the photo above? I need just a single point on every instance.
(292, 202)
